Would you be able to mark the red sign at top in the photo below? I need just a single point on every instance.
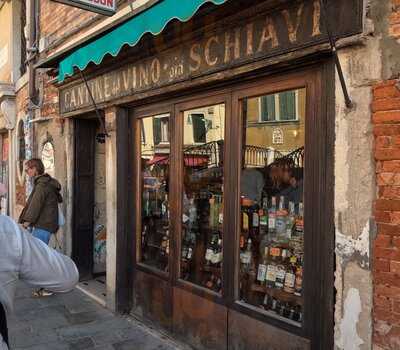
(104, 7)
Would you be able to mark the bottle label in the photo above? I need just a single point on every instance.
(280, 276)
(289, 282)
(245, 221)
(209, 254)
(275, 251)
(216, 258)
(271, 273)
(256, 220)
(245, 258)
(280, 225)
(190, 253)
(263, 220)
(221, 218)
(271, 222)
(262, 271)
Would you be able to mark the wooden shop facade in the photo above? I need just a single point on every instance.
(219, 136)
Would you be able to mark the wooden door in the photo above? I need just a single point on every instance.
(82, 233)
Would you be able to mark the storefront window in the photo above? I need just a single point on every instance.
(155, 151)
(203, 196)
(272, 209)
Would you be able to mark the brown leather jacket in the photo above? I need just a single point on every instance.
(41, 209)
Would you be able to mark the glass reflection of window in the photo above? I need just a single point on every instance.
(203, 197)
(161, 129)
(154, 224)
(279, 107)
(272, 210)
(199, 128)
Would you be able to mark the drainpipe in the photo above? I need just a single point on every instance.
(32, 51)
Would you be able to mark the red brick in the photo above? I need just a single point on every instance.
(392, 179)
(395, 308)
(388, 278)
(387, 154)
(396, 242)
(382, 265)
(383, 142)
(384, 241)
(391, 166)
(395, 267)
(387, 204)
(383, 302)
(387, 253)
(386, 129)
(385, 116)
(388, 229)
(383, 314)
(389, 91)
(395, 217)
(384, 84)
(389, 104)
(383, 216)
(389, 192)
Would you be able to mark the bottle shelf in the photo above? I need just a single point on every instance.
(212, 269)
(277, 293)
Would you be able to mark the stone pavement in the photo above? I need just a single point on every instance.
(73, 321)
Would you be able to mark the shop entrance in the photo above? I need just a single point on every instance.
(89, 228)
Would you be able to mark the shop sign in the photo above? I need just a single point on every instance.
(261, 37)
(104, 7)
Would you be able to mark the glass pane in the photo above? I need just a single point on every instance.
(155, 150)
(203, 199)
(271, 239)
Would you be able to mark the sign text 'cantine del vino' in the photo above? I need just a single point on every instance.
(260, 37)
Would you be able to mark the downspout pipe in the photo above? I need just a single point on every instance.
(32, 51)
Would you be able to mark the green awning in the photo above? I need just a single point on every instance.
(153, 20)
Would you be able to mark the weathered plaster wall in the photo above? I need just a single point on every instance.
(355, 193)
(359, 272)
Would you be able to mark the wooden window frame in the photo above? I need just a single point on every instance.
(180, 108)
(138, 115)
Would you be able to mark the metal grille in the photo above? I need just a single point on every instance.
(22, 67)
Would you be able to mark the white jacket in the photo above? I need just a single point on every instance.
(23, 257)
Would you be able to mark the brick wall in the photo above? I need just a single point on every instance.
(386, 120)
(60, 23)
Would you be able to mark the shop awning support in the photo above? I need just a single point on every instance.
(347, 99)
(100, 137)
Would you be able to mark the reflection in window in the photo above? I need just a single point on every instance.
(272, 209)
(154, 190)
(278, 107)
(161, 129)
(203, 197)
(199, 128)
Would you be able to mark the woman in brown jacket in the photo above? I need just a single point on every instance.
(41, 210)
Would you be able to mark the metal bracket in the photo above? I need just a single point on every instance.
(101, 136)
(347, 99)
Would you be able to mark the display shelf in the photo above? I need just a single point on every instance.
(211, 269)
(277, 293)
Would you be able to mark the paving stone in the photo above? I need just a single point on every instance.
(72, 321)
(81, 344)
